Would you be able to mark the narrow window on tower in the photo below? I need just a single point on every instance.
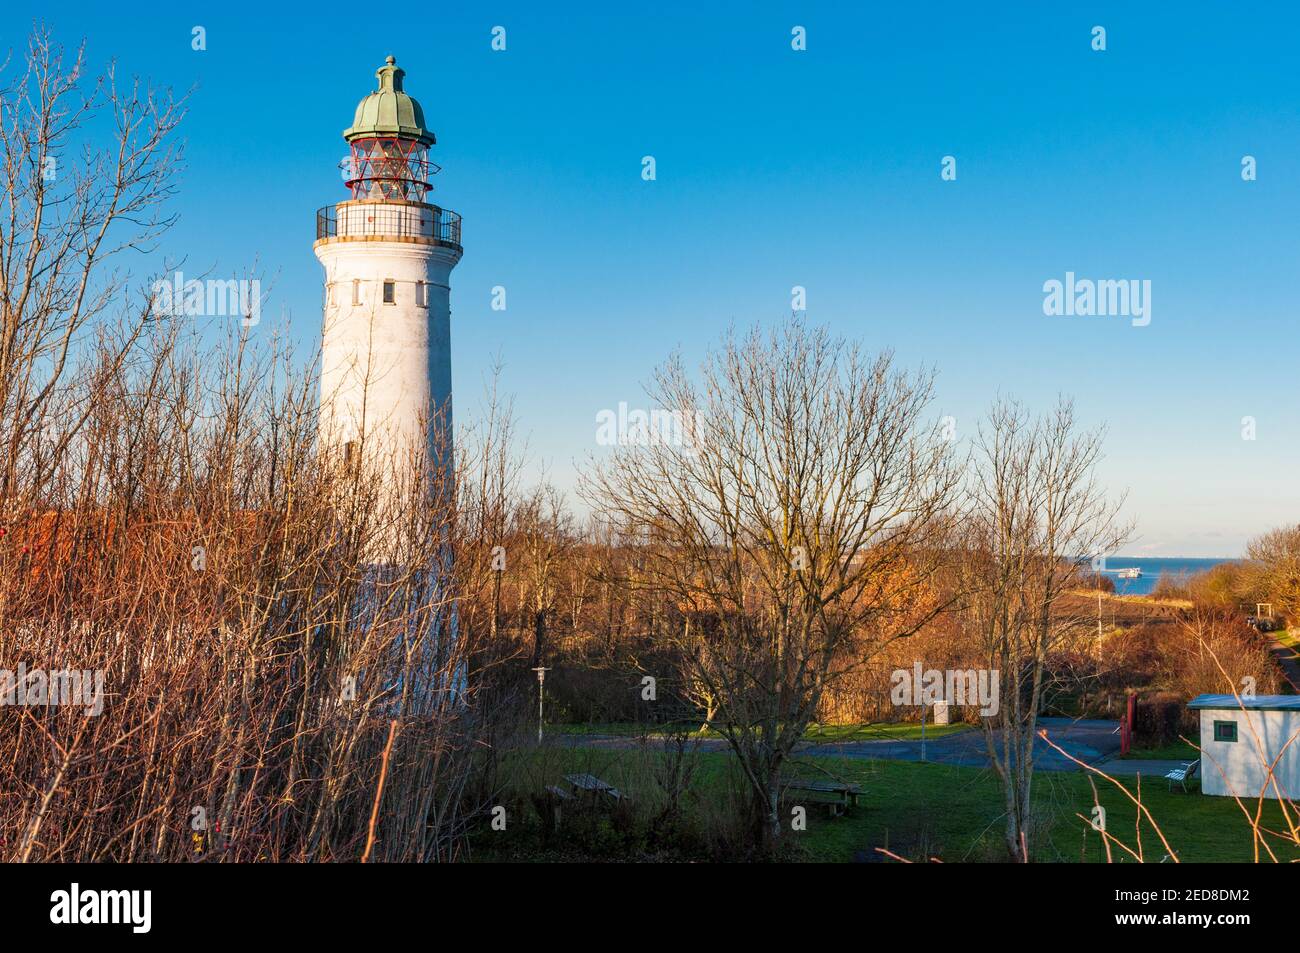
(421, 292)
(350, 457)
(390, 292)
(356, 291)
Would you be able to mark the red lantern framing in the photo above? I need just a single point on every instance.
(390, 168)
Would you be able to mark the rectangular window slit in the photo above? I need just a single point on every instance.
(1225, 731)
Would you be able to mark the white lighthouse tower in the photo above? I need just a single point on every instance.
(388, 253)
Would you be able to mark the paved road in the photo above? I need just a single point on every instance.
(1088, 740)
(1288, 659)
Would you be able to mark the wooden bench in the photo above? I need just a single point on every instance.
(1184, 774)
(842, 793)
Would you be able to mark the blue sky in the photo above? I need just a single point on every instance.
(818, 168)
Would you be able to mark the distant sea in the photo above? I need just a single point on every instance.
(1152, 568)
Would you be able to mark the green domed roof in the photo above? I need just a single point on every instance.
(389, 111)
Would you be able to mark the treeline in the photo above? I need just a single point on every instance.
(1267, 583)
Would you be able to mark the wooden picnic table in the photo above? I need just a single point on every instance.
(594, 785)
(843, 793)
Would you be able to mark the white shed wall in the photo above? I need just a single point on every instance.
(1243, 763)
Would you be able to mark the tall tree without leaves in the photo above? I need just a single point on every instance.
(88, 164)
(797, 522)
(1277, 553)
(1036, 514)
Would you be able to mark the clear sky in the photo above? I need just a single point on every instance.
(818, 168)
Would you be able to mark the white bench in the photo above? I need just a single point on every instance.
(1184, 774)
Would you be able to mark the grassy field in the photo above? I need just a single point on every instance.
(1177, 751)
(879, 731)
(954, 814)
(918, 811)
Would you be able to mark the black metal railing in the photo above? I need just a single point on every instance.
(397, 221)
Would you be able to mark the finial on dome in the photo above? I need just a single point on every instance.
(389, 110)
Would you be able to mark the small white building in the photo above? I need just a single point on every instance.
(1240, 738)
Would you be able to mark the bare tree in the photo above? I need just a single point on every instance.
(797, 517)
(491, 458)
(1035, 510)
(545, 535)
(1278, 554)
(71, 208)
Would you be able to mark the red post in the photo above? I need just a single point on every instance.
(1126, 727)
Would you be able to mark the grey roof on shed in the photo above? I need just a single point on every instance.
(1258, 703)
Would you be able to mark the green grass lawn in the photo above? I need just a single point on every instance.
(1178, 751)
(921, 811)
(820, 734)
(954, 814)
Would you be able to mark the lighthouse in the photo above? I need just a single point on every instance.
(388, 251)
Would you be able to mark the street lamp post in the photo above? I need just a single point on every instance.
(541, 682)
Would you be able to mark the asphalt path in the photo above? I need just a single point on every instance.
(1090, 740)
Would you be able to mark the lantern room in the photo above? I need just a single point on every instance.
(389, 143)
